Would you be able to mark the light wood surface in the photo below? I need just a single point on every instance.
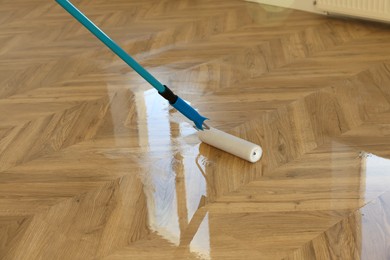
(95, 165)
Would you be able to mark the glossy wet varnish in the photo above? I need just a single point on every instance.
(94, 164)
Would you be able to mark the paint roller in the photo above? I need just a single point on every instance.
(214, 137)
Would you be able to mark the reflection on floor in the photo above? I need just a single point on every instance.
(95, 165)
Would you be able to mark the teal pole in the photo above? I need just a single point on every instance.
(111, 44)
(178, 103)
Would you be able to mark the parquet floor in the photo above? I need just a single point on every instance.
(95, 165)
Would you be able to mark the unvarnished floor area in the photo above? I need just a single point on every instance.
(95, 165)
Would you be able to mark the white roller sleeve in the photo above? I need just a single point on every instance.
(231, 144)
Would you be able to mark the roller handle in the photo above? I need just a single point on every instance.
(189, 112)
(183, 107)
(164, 91)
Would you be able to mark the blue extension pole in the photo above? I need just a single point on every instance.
(174, 100)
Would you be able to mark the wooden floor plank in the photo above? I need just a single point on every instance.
(95, 165)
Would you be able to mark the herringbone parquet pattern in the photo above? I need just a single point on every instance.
(95, 165)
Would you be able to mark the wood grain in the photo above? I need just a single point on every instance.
(95, 165)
